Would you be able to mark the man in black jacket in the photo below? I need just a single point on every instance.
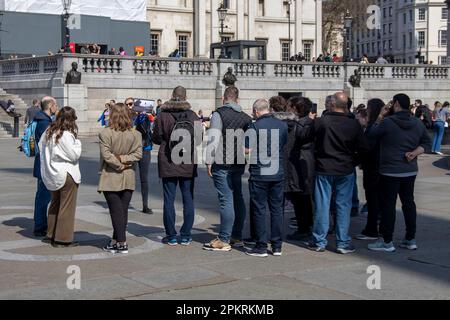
(339, 144)
(402, 139)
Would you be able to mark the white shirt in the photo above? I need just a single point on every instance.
(58, 160)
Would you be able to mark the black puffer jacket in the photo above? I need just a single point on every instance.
(299, 154)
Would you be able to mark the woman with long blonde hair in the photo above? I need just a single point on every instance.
(120, 150)
(60, 151)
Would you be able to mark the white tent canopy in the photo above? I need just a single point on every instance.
(128, 10)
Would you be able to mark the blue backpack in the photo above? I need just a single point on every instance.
(28, 144)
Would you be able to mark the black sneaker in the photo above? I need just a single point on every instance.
(110, 247)
(277, 252)
(255, 252)
(121, 248)
(250, 242)
(147, 211)
(315, 248)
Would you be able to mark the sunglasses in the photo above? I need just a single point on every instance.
(130, 104)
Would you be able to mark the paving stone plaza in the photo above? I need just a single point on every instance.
(30, 269)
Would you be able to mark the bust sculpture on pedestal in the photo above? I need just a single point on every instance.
(355, 80)
(73, 76)
(229, 79)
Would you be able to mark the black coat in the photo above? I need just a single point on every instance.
(164, 125)
(299, 154)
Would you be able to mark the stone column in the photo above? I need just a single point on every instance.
(448, 31)
(251, 19)
(215, 24)
(240, 20)
(318, 44)
(200, 28)
(298, 16)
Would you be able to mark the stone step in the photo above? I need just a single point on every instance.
(8, 128)
(4, 133)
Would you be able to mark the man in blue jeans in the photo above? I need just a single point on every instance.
(43, 118)
(226, 166)
(340, 143)
(267, 140)
(177, 164)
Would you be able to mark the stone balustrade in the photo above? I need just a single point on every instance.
(90, 64)
(288, 70)
(27, 66)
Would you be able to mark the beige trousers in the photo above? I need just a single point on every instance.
(61, 213)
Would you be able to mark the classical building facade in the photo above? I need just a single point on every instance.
(192, 25)
(405, 28)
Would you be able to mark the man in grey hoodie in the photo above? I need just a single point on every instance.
(402, 139)
(226, 165)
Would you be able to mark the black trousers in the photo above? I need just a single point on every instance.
(303, 207)
(144, 166)
(251, 221)
(371, 186)
(390, 188)
(118, 203)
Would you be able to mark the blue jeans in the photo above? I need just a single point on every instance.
(228, 182)
(265, 194)
(343, 188)
(439, 129)
(41, 201)
(355, 196)
(187, 192)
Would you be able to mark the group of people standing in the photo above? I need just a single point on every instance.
(437, 119)
(292, 155)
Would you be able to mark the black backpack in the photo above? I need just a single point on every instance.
(182, 122)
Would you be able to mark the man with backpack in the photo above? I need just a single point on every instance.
(174, 132)
(226, 166)
(424, 114)
(32, 111)
(43, 120)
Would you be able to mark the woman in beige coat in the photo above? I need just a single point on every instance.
(120, 150)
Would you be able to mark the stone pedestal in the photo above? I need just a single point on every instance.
(220, 89)
(75, 96)
(357, 95)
